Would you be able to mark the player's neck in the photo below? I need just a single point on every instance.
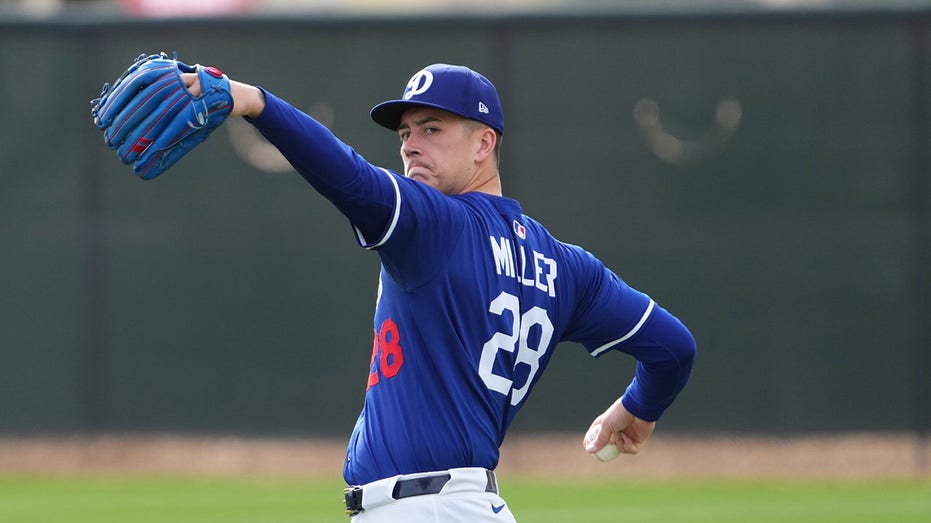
(488, 182)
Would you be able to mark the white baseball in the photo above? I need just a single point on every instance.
(608, 452)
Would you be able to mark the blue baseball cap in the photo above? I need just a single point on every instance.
(453, 88)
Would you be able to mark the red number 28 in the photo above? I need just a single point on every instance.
(386, 349)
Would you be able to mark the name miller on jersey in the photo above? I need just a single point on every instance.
(543, 269)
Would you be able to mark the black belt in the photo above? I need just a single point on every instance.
(406, 488)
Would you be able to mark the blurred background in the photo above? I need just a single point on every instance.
(761, 168)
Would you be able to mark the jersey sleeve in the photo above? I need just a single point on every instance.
(611, 315)
(607, 311)
(665, 352)
(426, 228)
(367, 195)
(412, 226)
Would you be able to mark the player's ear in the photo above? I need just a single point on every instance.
(485, 143)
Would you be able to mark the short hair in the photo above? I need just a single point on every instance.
(475, 125)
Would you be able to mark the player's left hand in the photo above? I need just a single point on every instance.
(151, 117)
(621, 428)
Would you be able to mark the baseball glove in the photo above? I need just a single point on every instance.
(150, 117)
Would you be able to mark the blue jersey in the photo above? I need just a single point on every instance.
(473, 297)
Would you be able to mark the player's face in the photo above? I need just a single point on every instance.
(438, 148)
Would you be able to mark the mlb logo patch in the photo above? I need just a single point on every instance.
(520, 231)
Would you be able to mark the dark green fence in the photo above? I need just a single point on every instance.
(765, 177)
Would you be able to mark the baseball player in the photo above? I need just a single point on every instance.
(473, 294)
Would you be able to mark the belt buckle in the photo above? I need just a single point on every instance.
(353, 498)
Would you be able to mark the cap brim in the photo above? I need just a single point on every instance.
(388, 114)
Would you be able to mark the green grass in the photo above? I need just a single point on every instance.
(719, 501)
(143, 499)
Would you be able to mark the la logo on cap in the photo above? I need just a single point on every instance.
(418, 84)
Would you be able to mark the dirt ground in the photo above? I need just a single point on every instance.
(864, 455)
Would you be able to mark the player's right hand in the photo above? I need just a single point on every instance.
(618, 426)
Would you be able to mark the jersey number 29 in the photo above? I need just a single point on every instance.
(516, 339)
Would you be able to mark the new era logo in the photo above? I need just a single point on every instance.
(482, 108)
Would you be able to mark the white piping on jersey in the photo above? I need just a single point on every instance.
(394, 219)
(633, 331)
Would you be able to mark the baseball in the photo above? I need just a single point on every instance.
(608, 452)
